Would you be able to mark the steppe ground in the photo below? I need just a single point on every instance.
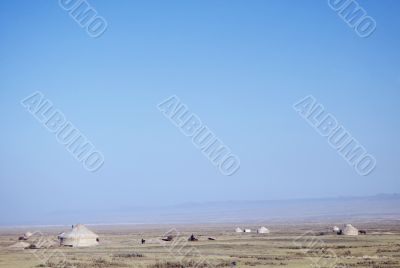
(288, 245)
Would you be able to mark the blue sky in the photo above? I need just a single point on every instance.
(239, 65)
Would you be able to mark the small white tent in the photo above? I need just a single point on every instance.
(336, 229)
(238, 230)
(27, 235)
(262, 230)
(79, 236)
(350, 230)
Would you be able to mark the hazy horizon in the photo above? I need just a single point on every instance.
(352, 208)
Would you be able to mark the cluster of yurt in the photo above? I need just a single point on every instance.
(245, 230)
(261, 230)
(79, 236)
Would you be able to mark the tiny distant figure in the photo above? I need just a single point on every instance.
(192, 238)
(233, 264)
(340, 232)
(143, 241)
(72, 226)
(363, 232)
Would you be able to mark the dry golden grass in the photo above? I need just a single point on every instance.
(120, 247)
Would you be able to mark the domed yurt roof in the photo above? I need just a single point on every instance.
(262, 230)
(79, 236)
(350, 230)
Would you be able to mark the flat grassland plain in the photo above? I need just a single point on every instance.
(288, 245)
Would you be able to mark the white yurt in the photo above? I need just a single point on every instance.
(238, 230)
(262, 230)
(27, 235)
(247, 230)
(350, 230)
(79, 236)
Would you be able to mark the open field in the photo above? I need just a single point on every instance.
(288, 245)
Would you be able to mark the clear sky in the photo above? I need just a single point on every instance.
(239, 65)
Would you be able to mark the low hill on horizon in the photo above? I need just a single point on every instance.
(383, 206)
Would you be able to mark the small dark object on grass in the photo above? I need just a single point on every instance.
(143, 241)
(32, 246)
(211, 238)
(168, 238)
(233, 263)
(362, 232)
(192, 238)
(129, 255)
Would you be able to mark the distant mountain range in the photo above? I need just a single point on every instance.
(384, 206)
